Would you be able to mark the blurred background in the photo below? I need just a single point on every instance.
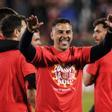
(82, 13)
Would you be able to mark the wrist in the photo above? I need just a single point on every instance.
(30, 30)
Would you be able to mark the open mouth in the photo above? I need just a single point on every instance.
(64, 40)
(97, 40)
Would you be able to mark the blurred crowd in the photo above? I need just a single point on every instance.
(82, 13)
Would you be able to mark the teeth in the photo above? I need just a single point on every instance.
(64, 42)
(64, 39)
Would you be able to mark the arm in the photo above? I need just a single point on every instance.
(31, 90)
(25, 44)
(88, 79)
(31, 81)
(31, 94)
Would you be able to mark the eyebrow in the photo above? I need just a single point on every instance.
(97, 30)
(64, 30)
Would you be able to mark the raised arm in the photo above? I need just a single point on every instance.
(25, 44)
(105, 46)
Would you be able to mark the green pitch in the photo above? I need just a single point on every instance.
(88, 101)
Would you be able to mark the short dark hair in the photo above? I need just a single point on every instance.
(60, 20)
(4, 11)
(9, 24)
(101, 21)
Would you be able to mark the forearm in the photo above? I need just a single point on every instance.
(88, 79)
(31, 94)
(31, 90)
(25, 46)
(103, 48)
(31, 79)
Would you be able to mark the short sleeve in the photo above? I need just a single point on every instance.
(81, 56)
(92, 68)
(86, 54)
(27, 68)
(38, 55)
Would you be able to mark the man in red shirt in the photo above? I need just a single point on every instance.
(14, 70)
(59, 66)
(100, 72)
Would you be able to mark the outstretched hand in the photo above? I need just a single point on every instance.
(33, 24)
(109, 22)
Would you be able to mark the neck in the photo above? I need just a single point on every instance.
(12, 38)
(59, 49)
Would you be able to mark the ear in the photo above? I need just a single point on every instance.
(16, 32)
(51, 34)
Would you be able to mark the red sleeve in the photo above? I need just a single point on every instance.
(82, 55)
(86, 54)
(92, 68)
(27, 68)
(44, 56)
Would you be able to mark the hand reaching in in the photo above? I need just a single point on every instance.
(109, 22)
(33, 24)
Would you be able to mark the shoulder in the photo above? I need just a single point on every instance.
(80, 49)
(43, 48)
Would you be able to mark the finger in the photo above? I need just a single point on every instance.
(32, 16)
(109, 18)
(40, 24)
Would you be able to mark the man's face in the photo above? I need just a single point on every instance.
(62, 36)
(36, 39)
(99, 33)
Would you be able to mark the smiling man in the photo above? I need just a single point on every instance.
(62, 34)
(59, 82)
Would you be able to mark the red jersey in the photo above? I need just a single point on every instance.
(13, 69)
(59, 82)
(102, 69)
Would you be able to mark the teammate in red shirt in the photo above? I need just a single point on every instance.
(14, 70)
(100, 73)
(58, 67)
